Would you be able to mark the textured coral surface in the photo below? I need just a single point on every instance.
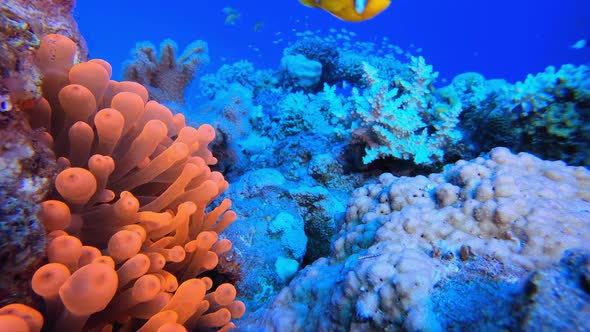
(26, 167)
(489, 222)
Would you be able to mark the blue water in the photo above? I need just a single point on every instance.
(500, 39)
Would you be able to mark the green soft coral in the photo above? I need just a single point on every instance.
(562, 120)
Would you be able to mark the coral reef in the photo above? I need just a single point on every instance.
(312, 142)
(557, 297)
(316, 205)
(273, 233)
(546, 114)
(300, 72)
(129, 227)
(377, 99)
(242, 73)
(137, 211)
(389, 110)
(405, 241)
(342, 55)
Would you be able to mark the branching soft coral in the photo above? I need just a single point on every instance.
(130, 212)
(166, 77)
(393, 121)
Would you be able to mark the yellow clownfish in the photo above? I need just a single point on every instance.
(350, 10)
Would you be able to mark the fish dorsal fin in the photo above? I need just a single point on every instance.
(310, 3)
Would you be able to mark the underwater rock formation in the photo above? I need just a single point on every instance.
(26, 169)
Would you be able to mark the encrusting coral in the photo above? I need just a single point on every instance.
(128, 227)
(500, 219)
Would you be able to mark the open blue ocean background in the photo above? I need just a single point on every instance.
(500, 39)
